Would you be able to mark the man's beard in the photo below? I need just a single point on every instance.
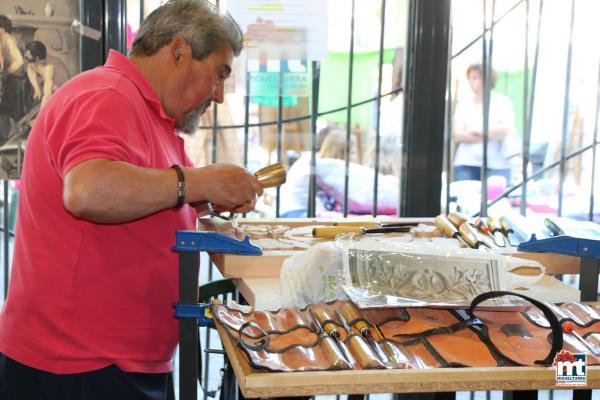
(188, 123)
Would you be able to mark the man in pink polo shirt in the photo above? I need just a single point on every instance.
(106, 183)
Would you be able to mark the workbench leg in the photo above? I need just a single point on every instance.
(189, 266)
(520, 395)
(582, 395)
(426, 396)
(588, 278)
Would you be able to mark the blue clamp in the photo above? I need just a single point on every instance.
(200, 311)
(214, 242)
(573, 246)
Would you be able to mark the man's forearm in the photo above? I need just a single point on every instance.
(107, 191)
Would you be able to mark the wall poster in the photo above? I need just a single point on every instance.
(39, 51)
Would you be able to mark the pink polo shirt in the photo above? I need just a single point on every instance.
(84, 295)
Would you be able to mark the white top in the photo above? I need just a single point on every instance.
(392, 115)
(330, 174)
(293, 194)
(468, 115)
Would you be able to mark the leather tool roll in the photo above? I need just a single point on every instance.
(531, 334)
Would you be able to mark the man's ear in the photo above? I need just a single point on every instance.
(180, 48)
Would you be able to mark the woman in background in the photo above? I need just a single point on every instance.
(330, 174)
(468, 130)
(294, 193)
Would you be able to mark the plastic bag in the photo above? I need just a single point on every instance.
(311, 276)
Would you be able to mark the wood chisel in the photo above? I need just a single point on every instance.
(569, 327)
(390, 349)
(511, 238)
(373, 224)
(350, 313)
(484, 230)
(471, 236)
(467, 230)
(496, 232)
(332, 351)
(457, 219)
(361, 350)
(330, 232)
(325, 322)
(449, 229)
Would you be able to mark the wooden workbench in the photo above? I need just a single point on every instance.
(255, 383)
(257, 280)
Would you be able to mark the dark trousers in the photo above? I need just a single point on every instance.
(20, 382)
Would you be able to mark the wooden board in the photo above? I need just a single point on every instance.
(269, 265)
(266, 266)
(255, 384)
(261, 293)
(264, 293)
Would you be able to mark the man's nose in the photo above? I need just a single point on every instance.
(219, 95)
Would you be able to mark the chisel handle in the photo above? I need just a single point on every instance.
(325, 321)
(388, 348)
(351, 314)
(442, 222)
(362, 352)
(505, 226)
(360, 224)
(491, 222)
(333, 353)
(457, 219)
(469, 233)
(330, 232)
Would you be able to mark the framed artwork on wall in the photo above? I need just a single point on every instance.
(44, 43)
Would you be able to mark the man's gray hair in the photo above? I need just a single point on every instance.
(200, 23)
